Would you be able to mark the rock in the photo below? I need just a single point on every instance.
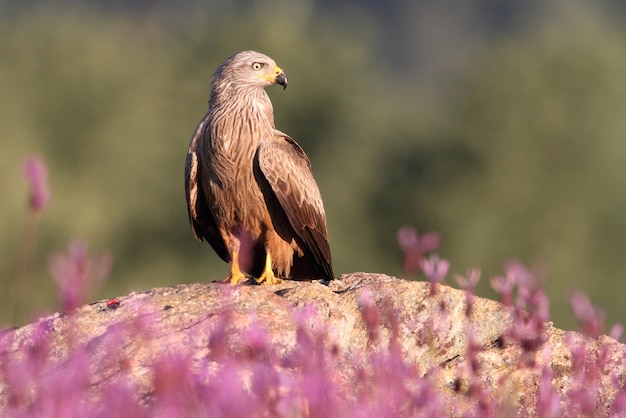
(460, 351)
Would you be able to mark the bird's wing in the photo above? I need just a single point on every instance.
(202, 222)
(287, 169)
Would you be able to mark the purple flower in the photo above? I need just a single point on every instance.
(470, 280)
(37, 176)
(590, 318)
(616, 331)
(75, 272)
(415, 247)
(435, 269)
(504, 286)
(370, 314)
(468, 283)
(548, 399)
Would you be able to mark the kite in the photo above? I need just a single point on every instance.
(250, 190)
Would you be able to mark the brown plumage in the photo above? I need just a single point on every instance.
(250, 190)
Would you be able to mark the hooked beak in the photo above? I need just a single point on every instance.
(281, 79)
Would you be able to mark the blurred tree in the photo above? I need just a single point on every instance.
(507, 138)
(528, 162)
(111, 102)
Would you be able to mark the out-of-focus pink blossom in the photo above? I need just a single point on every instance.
(244, 373)
(616, 331)
(468, 283)
(75, 272)
(434, 268)
(470, 280)
(521, 275)
(548, 399)
(504, 286)
(370, 314)
(415, 247)
(37, 176)
(619, 404)
(590, 318)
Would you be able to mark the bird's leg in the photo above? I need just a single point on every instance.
(268, 277)
(236, 275)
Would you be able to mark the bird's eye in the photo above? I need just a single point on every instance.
(257, 66)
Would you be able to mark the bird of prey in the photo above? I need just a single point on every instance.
(250, 191)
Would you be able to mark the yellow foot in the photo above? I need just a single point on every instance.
(268, 277)
(237, 278)
(236, 275)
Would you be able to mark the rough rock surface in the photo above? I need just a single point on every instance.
(162, 320)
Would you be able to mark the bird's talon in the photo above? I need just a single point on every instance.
(237, 276)
(269, 280)
(268, 277)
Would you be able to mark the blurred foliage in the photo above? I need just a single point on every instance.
(509, 141)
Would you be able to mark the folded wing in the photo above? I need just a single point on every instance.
(296, 206)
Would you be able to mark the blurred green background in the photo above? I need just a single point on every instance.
(500, 124)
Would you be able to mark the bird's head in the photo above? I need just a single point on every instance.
(250, 68)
